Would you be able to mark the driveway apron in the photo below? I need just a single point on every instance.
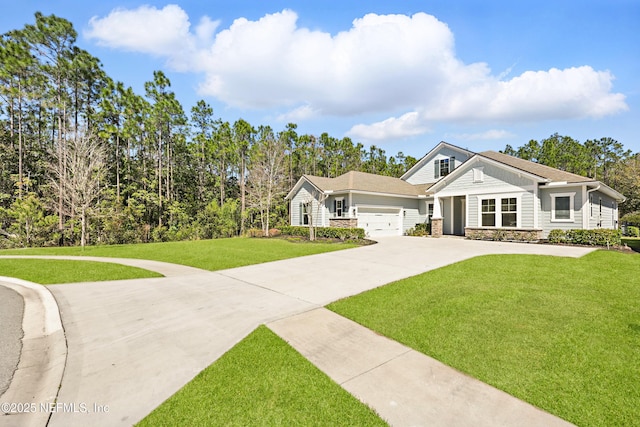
(134, 343)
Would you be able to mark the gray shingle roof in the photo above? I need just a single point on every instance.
(553, 174)
(362, 181)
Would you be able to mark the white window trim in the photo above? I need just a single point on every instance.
(498, 200)
(571, 206)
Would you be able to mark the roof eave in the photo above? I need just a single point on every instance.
(299, 184)
(378, 193)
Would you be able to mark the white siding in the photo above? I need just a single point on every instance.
(494, 179)
(545, 212)
(303, 195)
(605, 218)
(425, 174)
(496, 183)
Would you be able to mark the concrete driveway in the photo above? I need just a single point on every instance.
(134, 343)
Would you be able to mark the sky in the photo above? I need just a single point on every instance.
(403, 75)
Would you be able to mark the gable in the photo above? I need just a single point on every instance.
(426, 172)
(481, 175)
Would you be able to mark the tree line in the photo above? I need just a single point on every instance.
(86, 160)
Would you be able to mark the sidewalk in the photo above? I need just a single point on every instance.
(405, 387)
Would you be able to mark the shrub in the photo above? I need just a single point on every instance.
(324, 232)
(633, 231)
(420, 230)
(557, 236)
(597, 237)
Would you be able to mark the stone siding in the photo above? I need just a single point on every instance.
(343, 222)
(436, 227)
(503, 234)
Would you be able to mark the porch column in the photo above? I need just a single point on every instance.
(436, 219)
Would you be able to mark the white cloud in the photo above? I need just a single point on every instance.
(571, 93)
(382, 64)
(408, 124)
(146, 29)
(301, 113)
(492, 134)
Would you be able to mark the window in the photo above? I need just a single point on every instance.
(600, 207)
(562, 207)
(499, 211)
(478, 174)
(338, 206)
(443, 167)
(430, 212)
(488, 213)
(305, 209)
(509, 210)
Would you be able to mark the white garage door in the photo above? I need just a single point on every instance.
(379, 222)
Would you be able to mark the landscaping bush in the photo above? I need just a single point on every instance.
(597, 237)
(633, 231)
(325, 232)
(420, 230)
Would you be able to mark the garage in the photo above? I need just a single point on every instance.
(380, 221)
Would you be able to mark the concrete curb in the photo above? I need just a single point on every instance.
(35, 383)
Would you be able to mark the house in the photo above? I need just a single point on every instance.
(458, 192)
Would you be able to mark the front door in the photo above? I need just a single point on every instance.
(459, 215)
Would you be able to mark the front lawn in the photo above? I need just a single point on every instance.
(560, 333)
(217, 254)
(262, 381)
(50, 271)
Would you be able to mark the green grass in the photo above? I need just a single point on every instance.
(560, 333)
(47, 271)
(217, 254)
(262, 381)
(633, 243)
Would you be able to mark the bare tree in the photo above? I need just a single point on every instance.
(79, 181)
(313, 200)
(266, 175)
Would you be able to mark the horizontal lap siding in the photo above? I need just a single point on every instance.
(527, 209)
(545, 212)
(425, 174)
(472, 211)
(303, 195)
(494, 179)
(604, 219)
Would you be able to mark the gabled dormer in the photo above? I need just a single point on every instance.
(439, 162)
